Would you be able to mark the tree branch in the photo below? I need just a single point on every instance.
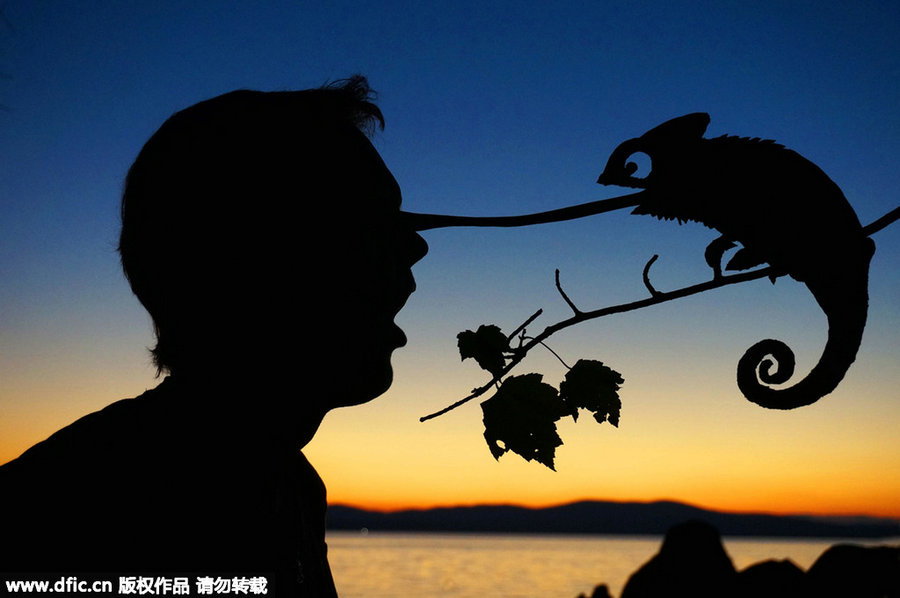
(430, 221)
(882, 222)
(660, 297)
(656, 298)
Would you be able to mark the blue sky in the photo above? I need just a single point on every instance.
(491, 108)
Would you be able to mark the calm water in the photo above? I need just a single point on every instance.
(400, 565)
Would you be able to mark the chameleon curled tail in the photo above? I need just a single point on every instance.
(844, 299)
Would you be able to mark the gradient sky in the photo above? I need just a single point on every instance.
(492, 108)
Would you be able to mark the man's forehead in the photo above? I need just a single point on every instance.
(357, 167)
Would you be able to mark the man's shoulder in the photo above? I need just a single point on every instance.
(91, 439)
(55, 493)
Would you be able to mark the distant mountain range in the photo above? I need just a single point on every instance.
(612, 518)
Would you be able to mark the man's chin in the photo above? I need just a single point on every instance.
(366, 388)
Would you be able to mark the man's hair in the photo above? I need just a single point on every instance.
(218, 177)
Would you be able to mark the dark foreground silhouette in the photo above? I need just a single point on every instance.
(262, 232)
(693, 563)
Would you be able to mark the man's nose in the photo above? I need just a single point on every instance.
(418, 247)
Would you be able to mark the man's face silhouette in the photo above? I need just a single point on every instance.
(265, 238)
(364, 272)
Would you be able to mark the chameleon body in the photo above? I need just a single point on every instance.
(782, 210)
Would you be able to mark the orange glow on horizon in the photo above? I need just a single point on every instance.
(789, 505)
(727, 457)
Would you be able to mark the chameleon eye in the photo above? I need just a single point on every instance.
(638, 165)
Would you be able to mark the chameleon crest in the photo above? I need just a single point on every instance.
(782, 210)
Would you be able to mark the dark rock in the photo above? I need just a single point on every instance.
(601, 591)
(857, 571)
(691, 562)
(772, 579)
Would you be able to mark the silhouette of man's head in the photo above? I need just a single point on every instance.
(262, 232)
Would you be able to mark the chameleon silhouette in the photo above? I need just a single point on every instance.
(784, 211)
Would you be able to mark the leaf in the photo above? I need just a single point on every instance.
(593, 386)
(486, 345)
(521, 417)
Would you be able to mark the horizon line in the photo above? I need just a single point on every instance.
(533, 507)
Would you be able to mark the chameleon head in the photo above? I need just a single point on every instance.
(656, 142)
(620, 170)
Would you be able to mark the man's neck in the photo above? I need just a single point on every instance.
(260, 408)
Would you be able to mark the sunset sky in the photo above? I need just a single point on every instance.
(492, 108)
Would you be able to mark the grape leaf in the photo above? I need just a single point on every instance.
(593, 386)
(521, 417)
(486, 345)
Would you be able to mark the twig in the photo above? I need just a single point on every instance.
(556, 355)
(521, 327)
(646, 276)
(565, 297)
